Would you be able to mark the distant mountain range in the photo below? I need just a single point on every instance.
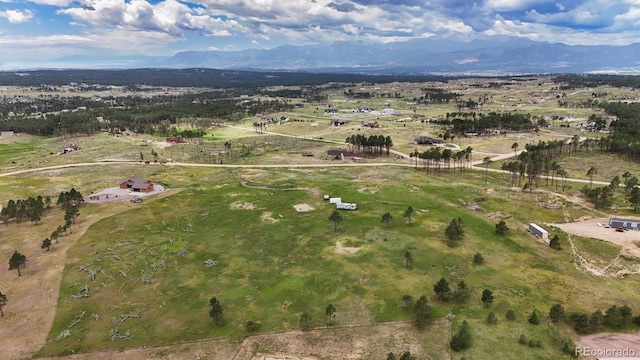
(498, 56)
(491, 55)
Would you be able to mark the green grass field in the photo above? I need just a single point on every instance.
(144, 267)
(271, 271)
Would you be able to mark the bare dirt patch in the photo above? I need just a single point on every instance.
(162, 144)
(335, 342)
(595, 228)
(243, 206)
(346, 250)
(303, 207)
(613, 341)
(357, 342)
(266, 217)
(32, 297)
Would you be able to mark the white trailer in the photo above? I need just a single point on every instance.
(538, 231)
(346, 206)
(335, 200)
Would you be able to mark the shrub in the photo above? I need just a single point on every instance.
(491, 318)
(533, 318)
(522, 339)
(535, 343)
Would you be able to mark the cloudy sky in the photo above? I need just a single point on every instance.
(49, 29)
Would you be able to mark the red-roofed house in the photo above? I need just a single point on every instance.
(136, 184)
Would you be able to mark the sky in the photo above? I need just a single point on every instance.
(39, 30)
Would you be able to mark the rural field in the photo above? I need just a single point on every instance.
(243, 219)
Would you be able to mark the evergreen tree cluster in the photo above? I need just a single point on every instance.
(372, 146)
(71, 197)
(479, 122)
(436, 159)
(30, 209)
(615, 318)
(443, 291)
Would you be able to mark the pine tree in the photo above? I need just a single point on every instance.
(386, 219)
(46, 244)
(305, 321)
(454, 232)
(216, 312)
(487, 297)
(533, 318)
(461, 293)
(478, 259)
(336, 218)
(461, 340)
(556, 313)
(442, 289)
(501, 228)
(423, 312)
(17, 261)
(408, 214)
(330, 311)
(491, 318)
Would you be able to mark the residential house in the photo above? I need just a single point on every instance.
(136, 184)
(624, 223)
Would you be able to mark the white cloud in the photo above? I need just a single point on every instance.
(511, 5)
(106, 43)
(17, 16)
(52, 2)
(150, 25)
(168, 16)
(213, 48)
(556, 34)
(629, 19)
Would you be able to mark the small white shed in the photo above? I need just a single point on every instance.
(538, 231)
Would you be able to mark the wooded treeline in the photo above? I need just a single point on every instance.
(437, 159)
(371, 146)
(625, 138)
(195, 77)
(150, 116)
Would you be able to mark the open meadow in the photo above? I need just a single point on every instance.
(243, 220)
(142, 276)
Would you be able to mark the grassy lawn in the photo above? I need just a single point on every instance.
(599, 252)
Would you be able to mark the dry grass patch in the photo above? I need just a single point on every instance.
(266, 217)
(242, 205)
(346, 249)
(32, 297)
(354, 342)
(368, 190)
(303, 207)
